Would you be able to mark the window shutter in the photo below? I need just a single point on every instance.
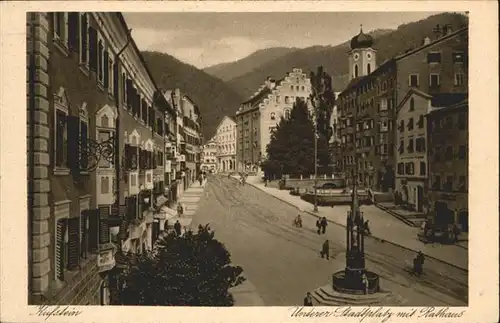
(103, 224)
(106, 69)
(73, 124)
(93, 49)
(93, 230)
(61, 226)
(129, 93)
(83, 235)
(83, 37)
(153, 157)
(83, 151)
(73, 242)
(73, 31)
(128, 155)
(142, 158)
(116, 79)
(131, 208)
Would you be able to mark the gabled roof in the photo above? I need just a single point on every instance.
(408, 96)
(259, 97)
(224, 118)
(459, 105)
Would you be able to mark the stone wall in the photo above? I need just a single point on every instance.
(37, 32)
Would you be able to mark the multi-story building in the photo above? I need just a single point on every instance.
(95, 142)
(258, 116)
(225, 137)
(369, 100)
(189, 137)
(209, 156)
(411, 152)
(447, 129)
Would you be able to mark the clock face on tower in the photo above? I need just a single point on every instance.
(369, 56)
(355, 56)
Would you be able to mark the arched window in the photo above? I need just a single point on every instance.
(412, 104)
(291, 87)
(368, 68)
(273, 116)
(287, 114)
(104, 121)
(356, 70)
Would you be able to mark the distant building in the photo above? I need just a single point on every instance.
(258, 116)
(448, 164)
(369, 100)
(209, 156)
(225, 137)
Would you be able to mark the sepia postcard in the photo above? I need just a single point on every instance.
(256, 161)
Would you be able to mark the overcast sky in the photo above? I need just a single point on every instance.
(205, 39)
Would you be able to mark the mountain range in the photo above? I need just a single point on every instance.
(218, 90)
(387, 42)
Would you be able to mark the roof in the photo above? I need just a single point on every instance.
(450, 35)
(456, 106)
(222, 120)
(447, 99)
(259, 97)
(408, 96)
(359, 80)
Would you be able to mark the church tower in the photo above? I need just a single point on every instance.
(362, 57)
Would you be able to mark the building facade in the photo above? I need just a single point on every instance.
(189, 138)
(225, 137)
(411, 152)
(209, 156)
(447, 129)
(258, 116)
(95, 143)
(369, 101)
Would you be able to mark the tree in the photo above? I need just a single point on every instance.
(191, 270)
(292, 144)
(323, 99)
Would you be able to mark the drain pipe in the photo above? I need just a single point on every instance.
(31, 149)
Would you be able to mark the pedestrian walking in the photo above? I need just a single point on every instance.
(324, 223)
(367, 228)
(265, 181)
(325, 250)
(318, 226)
(308, 300)
(178, 228)
(180, 209)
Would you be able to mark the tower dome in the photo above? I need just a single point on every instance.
(361, 40)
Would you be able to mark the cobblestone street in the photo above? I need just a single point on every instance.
(283, 262)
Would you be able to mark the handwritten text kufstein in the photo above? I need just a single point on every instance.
(48, 311)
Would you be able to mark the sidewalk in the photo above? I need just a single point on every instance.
(189, 199)
(384, 227)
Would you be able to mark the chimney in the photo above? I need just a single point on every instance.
(270, 83)
(427, 41)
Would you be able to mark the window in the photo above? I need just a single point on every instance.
(100, 59)
(103, 136)
(420, 122)
(291, 87)
(67, 242)
(402, 126)
(383, 104)
(433, 57)
(104, 185)
(273, 117)
(423, 168)
(462, 152)
(462, 185)
(458, 57)
(61, 139)
(84, 39)
(61, 28)
(287, 99)
(410, 124)
(462, 121)
(84, 134)
(412, 104)
(413, 80)
(448, 186)
(459, 79)
(277, 99)
(401, 168)
(434, 80)
(410, 145)
(110, 79)
(420, 144)
(368, 68)
(303, 89)
(436, 185)
(410, 169)
(401, 147)
(356, 70)
(449, 153)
